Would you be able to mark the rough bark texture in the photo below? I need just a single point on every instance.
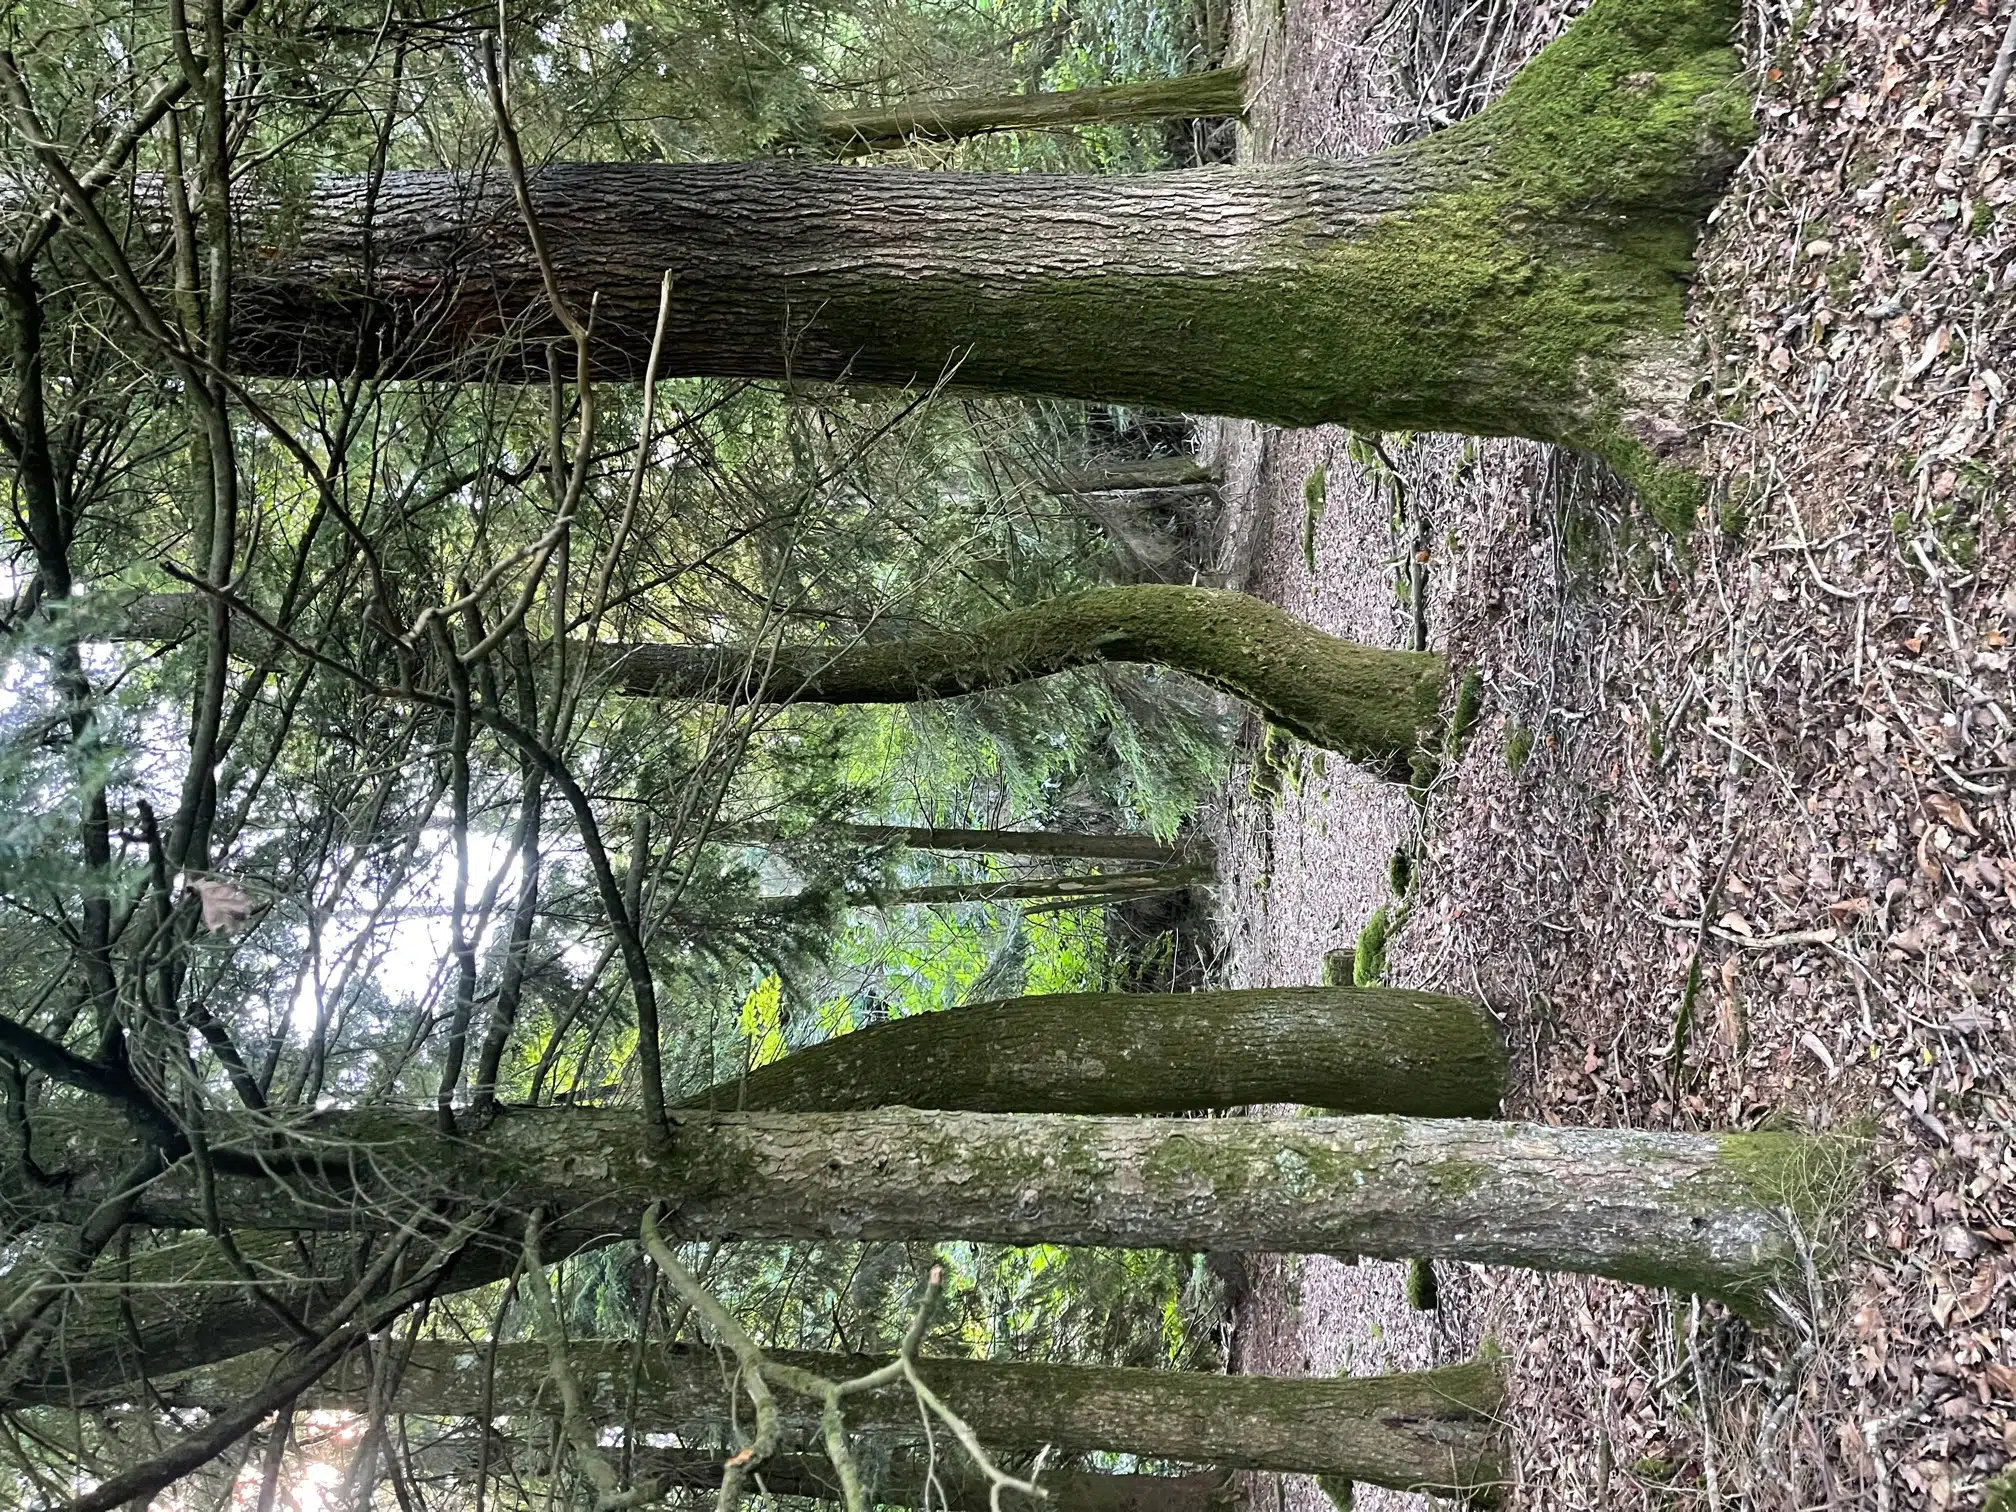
(1521, 273)
(1694, 1212)
(1121, 477)
(1372, 705)
(1385, 1051)
(1066, 843)
(1425, 1429)
(954, 1487)
(1373, 1050)
(1214, 92)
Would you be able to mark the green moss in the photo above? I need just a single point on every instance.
(1469, 703)
(1337, 967)
(1315, 499)
(1338, 1488)
(1982, 221)
(1518, 748)
(1542, 270)
(1999, 1495)
(1423, 1295)
(1368, 962)
(1400, 872)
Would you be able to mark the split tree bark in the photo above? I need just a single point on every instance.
(1521, 273)
(1375, 706)
(1425, 1430)
(1213, 92)
(1374, 1050)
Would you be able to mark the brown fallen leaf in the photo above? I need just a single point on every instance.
(225, 907)
(1949, 813)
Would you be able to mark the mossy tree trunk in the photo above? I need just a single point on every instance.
(1373, 705)
(1213, 92)
(1378, 1050)
(1429, 1430)
(908, 1478)
(1521, 273)
(1090, 889)
(1150, 473)
(1074, 845)
(1375, 1051)
(1695, 1212)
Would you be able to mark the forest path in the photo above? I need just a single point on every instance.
(1786, 748)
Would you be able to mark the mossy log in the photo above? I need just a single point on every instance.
(1378, 1051)
(1521, 273)
(1376, 706)
(1212, 92)
(1423, 1430)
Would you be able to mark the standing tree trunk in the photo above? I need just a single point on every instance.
(1071, 844)
(1092, 888)
(1122, 477)
(1358, 1051)
(1521, 273)
(1425, 1430)
(1371, 1050)
(945, 1482)
(1374, 706)
(1694, 1212)
(1214, 92)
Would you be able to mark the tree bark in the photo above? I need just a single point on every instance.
(954, 1487)
(1214, 92)
(1354, 1051)
(1428, 1430)
(1521, 273)
(1073, 844)
(1373, 1050)
(1094, 887)
(1374, 706)
(1694, 1212)
(1124, 477)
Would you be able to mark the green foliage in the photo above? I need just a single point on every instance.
(1518, 748)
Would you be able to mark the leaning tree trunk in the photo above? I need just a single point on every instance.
(1424, 1430)
(1521, 273)
(1214, 92)
(1372, 705)
(1694, 1212)
(1376, 1050)
(1352, 1050)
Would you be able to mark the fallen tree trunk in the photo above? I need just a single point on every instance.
(1426, 1430)
(1374, 1050)
(1376, 706)
(1213, 92)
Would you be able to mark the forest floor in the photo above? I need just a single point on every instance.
(1782, 749)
